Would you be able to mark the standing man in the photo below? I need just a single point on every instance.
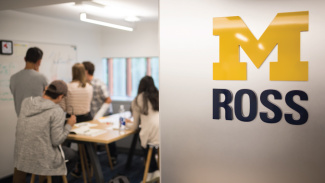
(100, 99)
(100, 93)
(28, 82)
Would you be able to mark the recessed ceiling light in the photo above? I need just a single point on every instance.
(132, 19)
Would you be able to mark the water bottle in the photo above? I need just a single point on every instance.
(122, 117)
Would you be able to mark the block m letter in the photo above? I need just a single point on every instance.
(284, 30)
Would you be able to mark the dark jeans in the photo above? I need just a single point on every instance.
(113, 149)
(153, 163)
(72, 157)
(82, 118)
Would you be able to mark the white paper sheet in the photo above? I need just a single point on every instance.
(85, 124)
(83, 130)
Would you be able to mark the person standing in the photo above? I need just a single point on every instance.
(100, 93)
(100, 101)
(28, 82)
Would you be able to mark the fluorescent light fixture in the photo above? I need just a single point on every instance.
(83, 17)
(132, 19)
(95, 4)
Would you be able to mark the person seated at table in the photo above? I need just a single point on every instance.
(40, 130)
(145, 108)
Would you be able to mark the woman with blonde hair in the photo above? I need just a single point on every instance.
(79, 95)
(77, 102)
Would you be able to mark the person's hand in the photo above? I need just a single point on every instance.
(108, 100)
(128, 120)
(72, 120)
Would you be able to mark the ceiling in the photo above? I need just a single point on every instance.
(111, 10)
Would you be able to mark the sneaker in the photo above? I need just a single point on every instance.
(155, 176)
(149, 176)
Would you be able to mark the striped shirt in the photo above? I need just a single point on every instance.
(78, 99)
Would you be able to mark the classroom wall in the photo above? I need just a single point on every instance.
(93, 43)
(143, 42)
(26, 27)
(197, 148)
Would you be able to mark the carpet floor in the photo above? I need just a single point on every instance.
(134, 173)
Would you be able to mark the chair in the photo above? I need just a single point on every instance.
(146, 170)
(49, 178)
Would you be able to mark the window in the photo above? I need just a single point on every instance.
(124, 74)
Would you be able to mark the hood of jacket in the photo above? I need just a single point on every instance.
(35, 105)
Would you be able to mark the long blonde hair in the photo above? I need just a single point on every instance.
(79, 74)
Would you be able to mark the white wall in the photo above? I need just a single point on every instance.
(196, 148)
(142, 42)
(27, 27)
(93, 43)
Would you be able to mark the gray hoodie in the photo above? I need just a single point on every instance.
(39, 132)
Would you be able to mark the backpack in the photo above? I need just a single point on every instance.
(119, 179)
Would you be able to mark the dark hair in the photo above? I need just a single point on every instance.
(90, 67)
(150, 92)
(33, 55)
(52, 94)
(79, 74)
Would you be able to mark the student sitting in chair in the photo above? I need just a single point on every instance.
(145, 108)
(40, 130)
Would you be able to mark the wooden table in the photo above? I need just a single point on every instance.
(111, 135)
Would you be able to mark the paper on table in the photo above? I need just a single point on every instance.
(85, 124)
(88, 131)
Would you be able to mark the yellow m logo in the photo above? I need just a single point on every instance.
(284, 30)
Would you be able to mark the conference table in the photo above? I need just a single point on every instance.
(107, 135)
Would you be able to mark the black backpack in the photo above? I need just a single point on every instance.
(119, 179)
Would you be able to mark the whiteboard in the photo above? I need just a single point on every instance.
(56, 64)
